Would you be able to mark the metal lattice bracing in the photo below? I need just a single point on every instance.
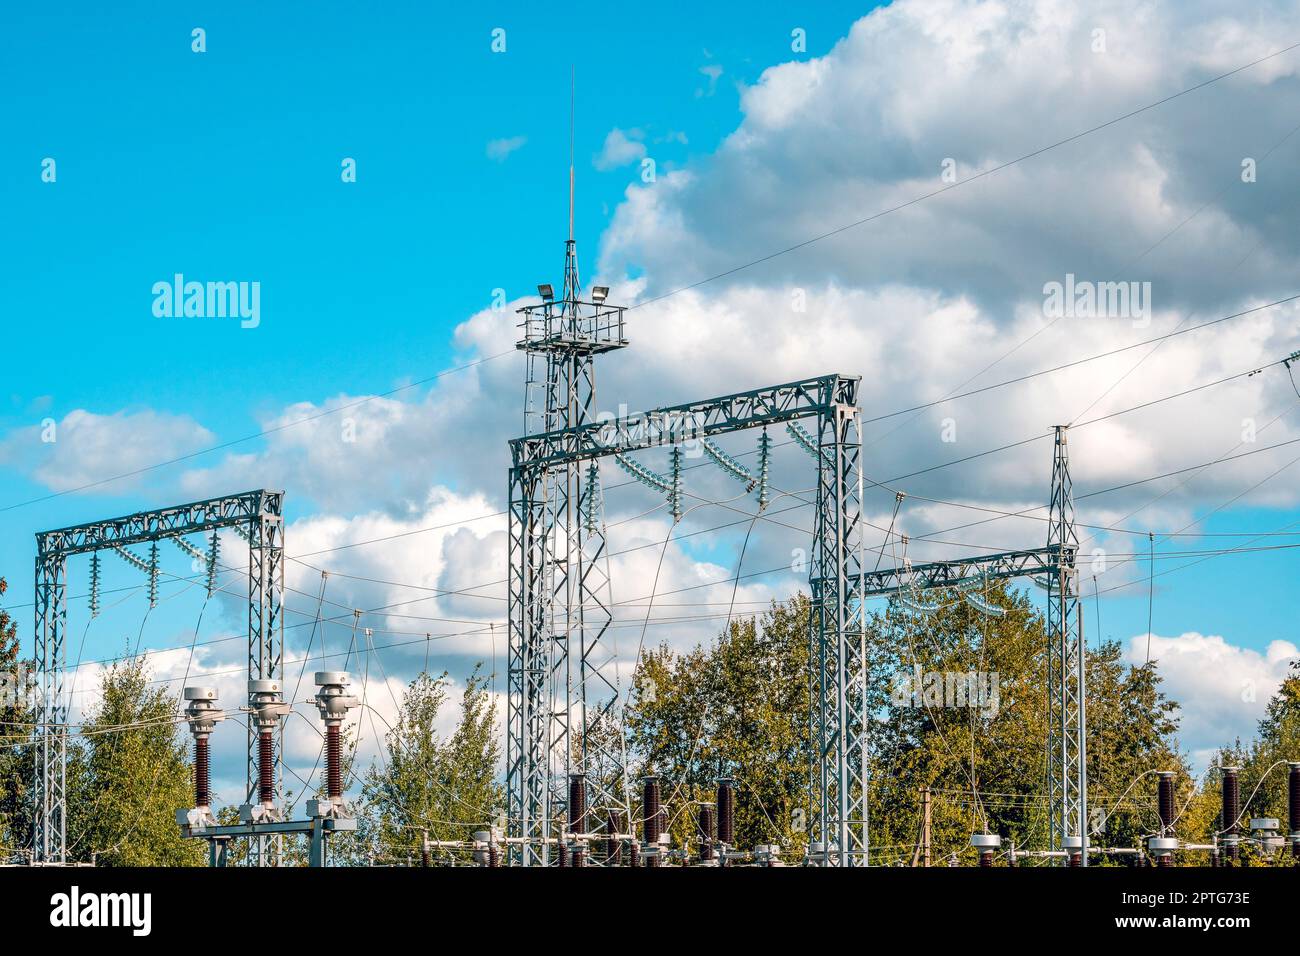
(839, 784)
(1067, 753)
(257, 515)
(532, 780)
(560, 580)
(1053, 567)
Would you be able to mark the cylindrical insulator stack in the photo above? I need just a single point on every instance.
(564, 854)
(634, 854)
(485, 849)
(613, 847)
(202, 778)
(578, 815)
(266, 768)
(726, 818)
(424, 850)
(651, 819)
(333, 703)
(707, 830)
(266, 710)
(203, 715)
(1166, 793)
(334, 762)
(1231, 811)
(1293, 805)
(1162, 845)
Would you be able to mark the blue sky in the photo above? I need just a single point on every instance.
(225, 166)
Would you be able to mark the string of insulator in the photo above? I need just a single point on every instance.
(194, 553)
(729, 464)
(764, 466)
(983, 605)
(643, 474)
(675, 484)
(802, 438)
(911, 599)
(591, 501)
(94, 584)
(214, 550)
(137, 562)
(153, 573)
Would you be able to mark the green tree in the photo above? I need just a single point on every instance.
(15, 733)
(737, 709)
(427, 784)
(128, 774)
(1131, 728)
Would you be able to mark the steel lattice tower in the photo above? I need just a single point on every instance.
(1067, 750)
(561, 675)
(839, 786)
(257, 516)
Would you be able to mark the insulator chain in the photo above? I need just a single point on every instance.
(591, 500)
(675, 486)
(137, 562)
(643, 474)
(802, 438)
(671, 485)
(153, 573)
(729, 464)
(94, 584)
(214, 551)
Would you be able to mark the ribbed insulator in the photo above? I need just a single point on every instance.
(726, 814)
(1231, 801)
(1166, 802)
(707, 830)
(986, 858)
(578, 803)
(266, 768)
(202, 790)
(634, 854)
(564, 854)
(1293, 780)
(1076, 859)
(1166, 860)
(424, 854)
(494, 860)
(334, 761)
(651, 817)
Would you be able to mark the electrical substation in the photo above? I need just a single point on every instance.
(572, 797)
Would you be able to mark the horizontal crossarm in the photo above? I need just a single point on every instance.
(947, 574)
(224, 512)
(678, 423)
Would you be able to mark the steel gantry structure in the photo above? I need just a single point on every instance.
(541, 700)
(257, 516)
(1055, 569)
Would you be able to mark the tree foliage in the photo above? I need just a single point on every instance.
(127, 775)
(425, 782)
